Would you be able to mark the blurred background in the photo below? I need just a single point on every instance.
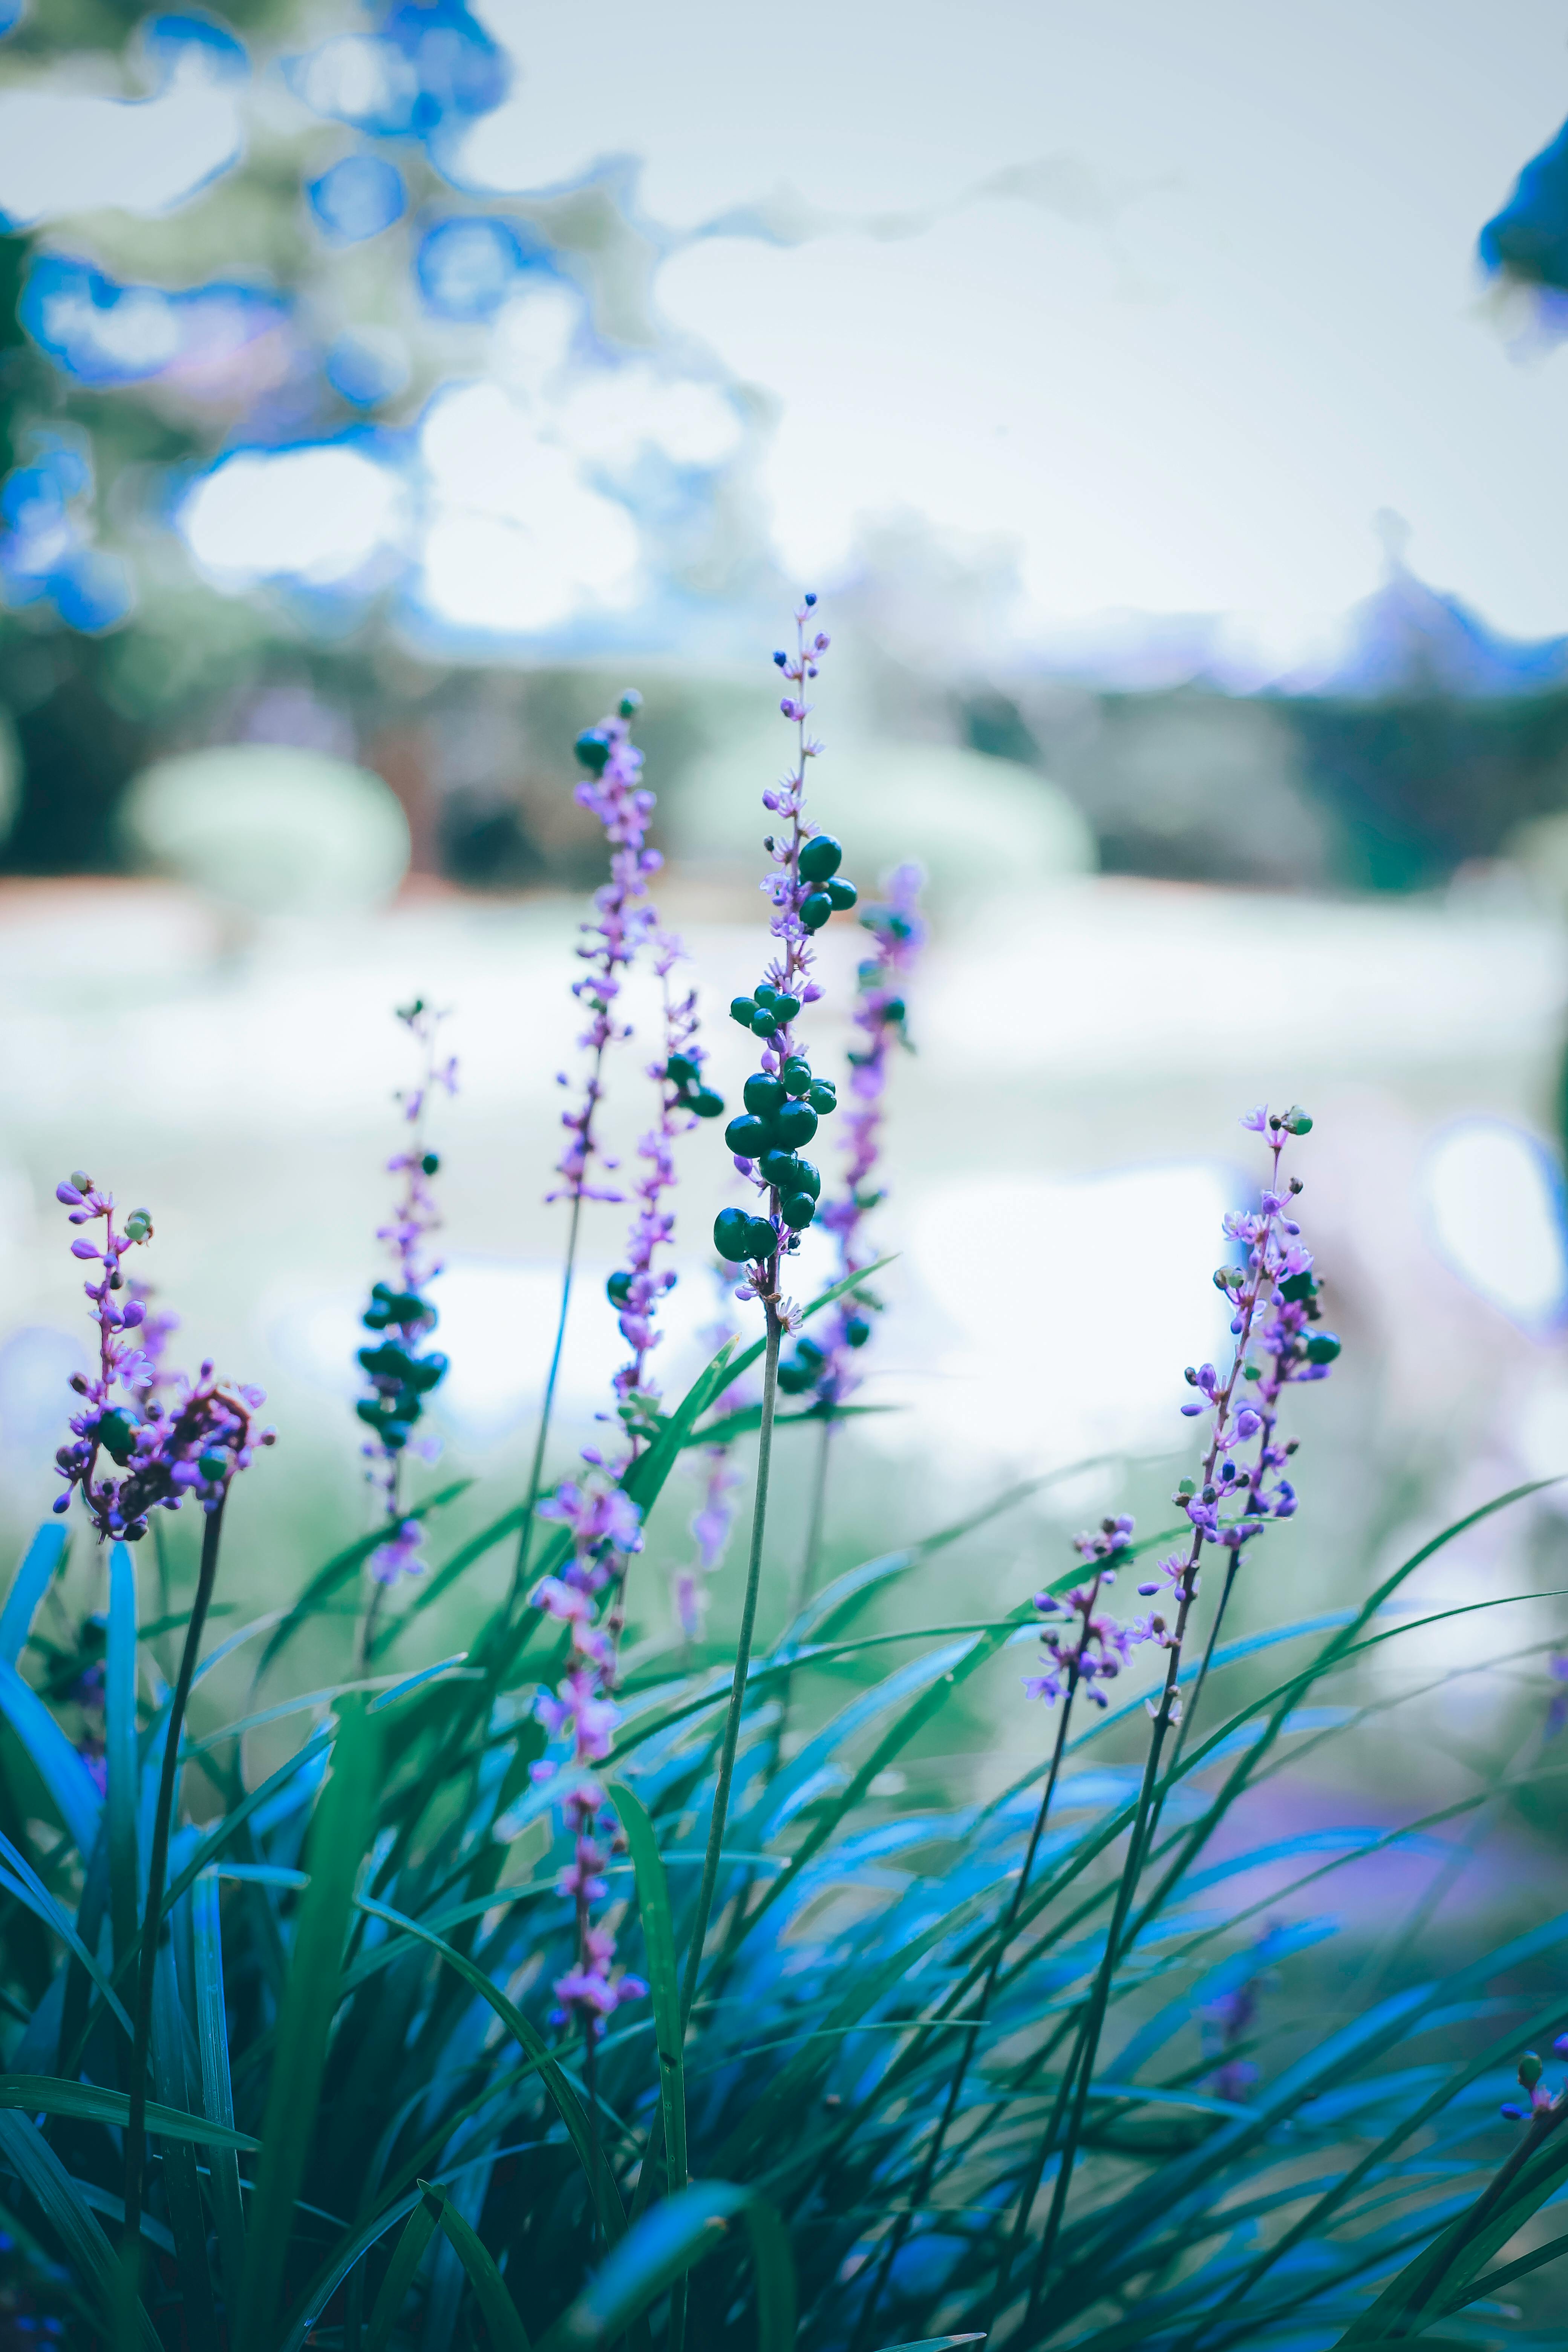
(1168, 409)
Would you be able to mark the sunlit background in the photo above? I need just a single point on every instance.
(1167, 406)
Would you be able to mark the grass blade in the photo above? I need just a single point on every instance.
(27, 2153)
(497, 2308)
(46, 2094)
(342, 1830)
(670, 2240)
(61, 1769)
(406, 2256)
(218, 2093)
(38, 1564)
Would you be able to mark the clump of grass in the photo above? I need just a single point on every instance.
(547, 1997)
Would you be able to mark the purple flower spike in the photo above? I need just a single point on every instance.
(190, 1443)
(1091, 1648)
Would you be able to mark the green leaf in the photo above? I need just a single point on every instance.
(670, 2240)
(60, 1768)
(935, 2342)
(27, 2153)
(497, 2308)
(406, 2256)
(218, 2093)
(664, 1983)
(122, 1769)
(1490, 2285)
(28, 1887)
(343, 1826)
(39, 1563)
(46, 2094)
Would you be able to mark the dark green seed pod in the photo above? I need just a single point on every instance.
(762, 1023)
(762, 1094)
(746, 1137)
(1322, 1347)
(742, 1008)
(592, 751)
(809, 1178)
(213, 1466)
(375, 1318)
(764, 1241)
(856, 1331)
(786, 1009)
(820, 856)
(796, 1125)
(894, 1009)
(1296, 1121)
(1297, 1288)
(706, 1103)
(431, 1162)
(797, 1210)
(822, 1099)
(810, 1353)
(795, 1378)
(842, 895)
(732, 1235)
(630, 703)
(815, 910)
(408, 1307)
(797, 1075)
(427, 1373)
(114, 1433)
(681, 1069)
(765, 994)
(617, 1288)
(780, 1168)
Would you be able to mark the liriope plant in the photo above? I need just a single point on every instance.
(539, 1998)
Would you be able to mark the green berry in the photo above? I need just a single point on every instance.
(810, 1353)
(82, 1179)
(732, 1235)
(809, 1178)
(795, 1378)
(856, 1331)
(742, 1009)
(786, 1009)
(764, 1239)
(706, 1103)
(797, 1210)
(781, 1168)
(592, 751)
(681, 1070)
(213, 1466)
(796, 1125)
(762, 1023)
(797, 1075)
(745, 1137)
(763, 1093)
(815, 910)
(822, 1097)
(820, 856)
(894, 1009)
(1529, 2070)
(1296, 1121)
(431, 1162)
(765, 994)
(1298, 1287)
(842, 895)
(114, 1433)
(631, 703)
(617, 1288)
(1322, 1347)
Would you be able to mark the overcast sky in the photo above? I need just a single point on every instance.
(1233, 315)
(1170, 302)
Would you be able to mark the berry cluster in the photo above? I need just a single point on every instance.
(1531, 2070)
(783, 1099)
(402, 1373)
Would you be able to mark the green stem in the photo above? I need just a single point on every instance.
(525, 1539)
(157, 1874)
(742, 1664)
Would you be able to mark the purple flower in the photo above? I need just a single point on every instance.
(624, 921)
(190, 1444)
(1092, 1647)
